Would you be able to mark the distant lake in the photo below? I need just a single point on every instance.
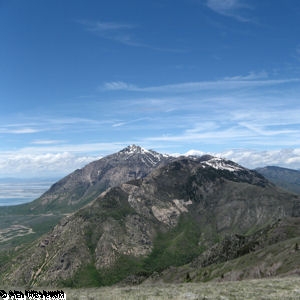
(17, 191)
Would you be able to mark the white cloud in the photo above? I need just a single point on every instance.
(289, 158)
(48, 160)
(25, 130)
(41, 165)
(195, 152)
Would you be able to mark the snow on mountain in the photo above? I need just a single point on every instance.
(145, 155)
(222, 164)
(206, 160)
(214, 162)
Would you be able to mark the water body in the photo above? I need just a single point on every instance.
(17, 191)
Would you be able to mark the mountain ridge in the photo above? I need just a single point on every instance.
(286, 178)
(149, 223)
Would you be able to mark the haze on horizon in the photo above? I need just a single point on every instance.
(83, 79)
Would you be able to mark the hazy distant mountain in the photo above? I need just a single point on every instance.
(286, 178)
(170, 217)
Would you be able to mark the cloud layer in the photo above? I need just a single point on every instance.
(25, 165)
(237, 112)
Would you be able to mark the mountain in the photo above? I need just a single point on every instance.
(133, 230)
(285, 178)
(83, 185)
(74, 191)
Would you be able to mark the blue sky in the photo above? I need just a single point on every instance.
(83, 79)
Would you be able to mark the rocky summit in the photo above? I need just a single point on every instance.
(146, 214)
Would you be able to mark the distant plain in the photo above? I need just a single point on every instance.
(14, 191)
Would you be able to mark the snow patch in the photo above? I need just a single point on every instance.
(221, 164)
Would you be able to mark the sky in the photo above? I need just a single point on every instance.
(81, 79)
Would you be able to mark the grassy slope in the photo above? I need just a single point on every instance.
(278, 255)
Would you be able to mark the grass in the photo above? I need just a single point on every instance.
(254, 289)
(174, 248)
(287, 288)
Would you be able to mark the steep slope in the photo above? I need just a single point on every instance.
(146, 225)
(285, 178)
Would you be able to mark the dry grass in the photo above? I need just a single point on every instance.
(285, 288)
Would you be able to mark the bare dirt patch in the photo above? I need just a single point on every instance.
(14, 231)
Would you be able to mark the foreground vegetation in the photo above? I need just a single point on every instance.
(272, 288)
(277, 288)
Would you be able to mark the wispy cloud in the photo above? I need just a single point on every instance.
(33, 124)
(213, 136)
(237, 82)
(24, 130)
(226, 132)
(118, 85)
(108, 26)
(229, 8)
(247, 123)
(118, 32)
(123, 33)
(46, 142)
(250, 76)
(129, 122)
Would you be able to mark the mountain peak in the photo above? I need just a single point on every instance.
(134, 149)
(149, 157)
